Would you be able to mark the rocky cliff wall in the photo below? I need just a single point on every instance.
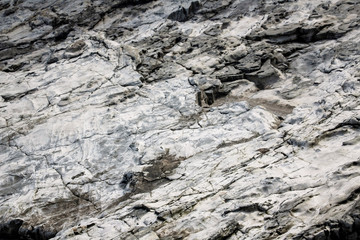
(229, 119)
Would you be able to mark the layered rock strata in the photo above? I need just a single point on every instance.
(229, 119)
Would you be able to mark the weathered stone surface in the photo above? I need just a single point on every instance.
(179, 119)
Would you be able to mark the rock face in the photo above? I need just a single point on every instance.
(231, 119)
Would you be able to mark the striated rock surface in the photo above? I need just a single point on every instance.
(229, 119)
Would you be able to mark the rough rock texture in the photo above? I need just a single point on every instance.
(228, 119)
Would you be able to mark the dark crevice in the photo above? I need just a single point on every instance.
(353, 195)
(247, 209)
(339, 129)
(8, 98)
(126, 3)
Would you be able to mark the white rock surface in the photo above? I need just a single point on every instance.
(180, 119)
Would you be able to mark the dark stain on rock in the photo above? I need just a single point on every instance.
(156, 174)
(150, 178)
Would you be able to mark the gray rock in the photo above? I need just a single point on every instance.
(185, 13)
(146, 120)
